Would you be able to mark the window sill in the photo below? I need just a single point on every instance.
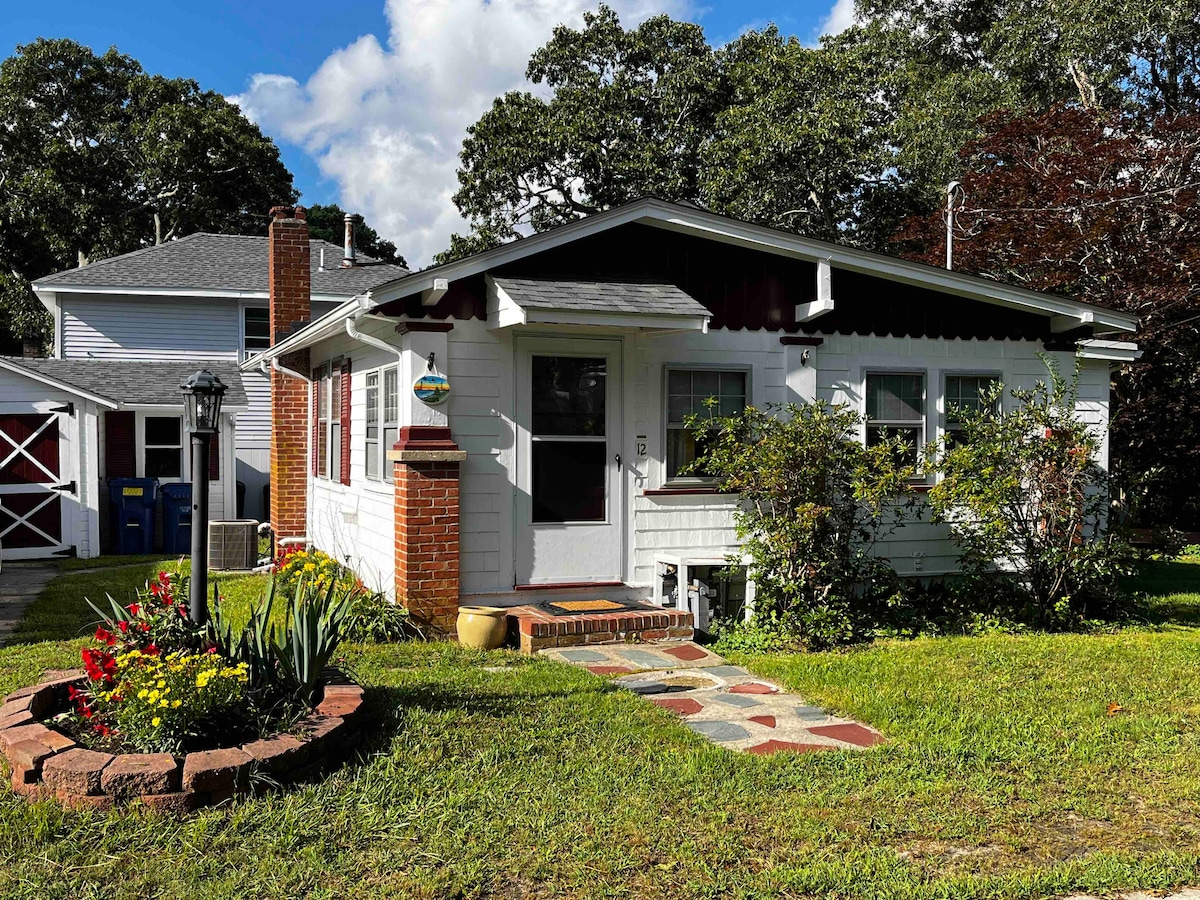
(683, 490)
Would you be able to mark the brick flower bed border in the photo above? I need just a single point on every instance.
(45, 763)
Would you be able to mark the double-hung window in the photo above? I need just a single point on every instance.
(374, 461)
(335, 422)
(896, 408)
(321, 386)
(688, 392)
(256, 330)
(968, 393)
(391, 416)
(163, 443)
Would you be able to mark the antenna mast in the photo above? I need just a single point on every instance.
(955, 195)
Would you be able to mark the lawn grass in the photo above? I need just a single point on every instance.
(496, 775)
(62, 612)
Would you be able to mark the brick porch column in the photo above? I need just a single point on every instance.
(426, 462)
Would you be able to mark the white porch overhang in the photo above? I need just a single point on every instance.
(646, 305)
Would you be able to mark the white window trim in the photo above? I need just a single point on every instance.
(323, 373)
(141, 446)
(692, 480)
(242, 307)
(927, 419)
(943, 405)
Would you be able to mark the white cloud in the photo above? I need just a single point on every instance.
(385, 122)
(840, 17)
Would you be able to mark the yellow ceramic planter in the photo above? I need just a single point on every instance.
(482, 627)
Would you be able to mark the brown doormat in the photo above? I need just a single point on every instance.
(593, 605)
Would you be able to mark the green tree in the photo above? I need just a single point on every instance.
(327, 222)
(99, 158)
(627, 113)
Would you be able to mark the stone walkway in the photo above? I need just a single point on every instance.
(20, 584)
(725, 703)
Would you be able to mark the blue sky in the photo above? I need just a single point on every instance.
(367, 99)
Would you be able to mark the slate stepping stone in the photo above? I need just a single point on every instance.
(720, 731)
(643, 658)
(609, 670)
(686, 652)
(850, 733)
(582, 656)
(774, 746)
(684, 706)
(811, 714)
(644, 687)
(723, 671)
(739, 700)
(767, 721)
(753, 687)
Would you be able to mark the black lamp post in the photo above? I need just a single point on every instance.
(202, 393)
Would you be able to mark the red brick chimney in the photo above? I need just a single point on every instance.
(291, 304)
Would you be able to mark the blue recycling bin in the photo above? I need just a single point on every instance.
(132, 502)
(177, 517)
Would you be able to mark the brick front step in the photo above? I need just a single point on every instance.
(534, 629)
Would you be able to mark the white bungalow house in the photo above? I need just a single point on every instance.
(553, 462)
(126, 330)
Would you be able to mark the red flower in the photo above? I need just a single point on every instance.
(145, 626)
(150, 650)
(100, 666)
(124, 626)
(101, 729)
(73, 692)
(105, 636)
(134, 609)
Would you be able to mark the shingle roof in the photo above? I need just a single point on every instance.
(133, 383)
(634, 297)
(232, 262)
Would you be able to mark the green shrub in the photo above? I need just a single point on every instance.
(376, 619)
(1027, 505)
(284, 663)
(814, 501)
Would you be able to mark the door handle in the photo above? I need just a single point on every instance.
(618, 460)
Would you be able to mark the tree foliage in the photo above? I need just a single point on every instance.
(327, 222)
(1103, 208)
(814, 501)
(97, 158)
(1026, 500)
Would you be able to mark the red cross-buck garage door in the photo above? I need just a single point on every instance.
(34, 520)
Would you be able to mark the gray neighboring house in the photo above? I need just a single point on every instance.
(200, 301)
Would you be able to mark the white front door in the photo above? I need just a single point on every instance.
(570, 519)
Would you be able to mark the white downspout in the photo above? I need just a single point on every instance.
(365, 305)
(291, 541)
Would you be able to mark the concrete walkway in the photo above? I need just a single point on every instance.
(20, 584)
(725, 703)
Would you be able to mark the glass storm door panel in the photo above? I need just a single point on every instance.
(568, 500)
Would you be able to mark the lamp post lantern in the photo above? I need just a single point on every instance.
(202, 394)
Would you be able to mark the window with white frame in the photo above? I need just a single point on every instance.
(335, 422)
(321, 386)
(162, 453)
(391, 416)
(383, 416)
(374, 463)
(688, 392)
(968, 393)
(256, 330)
(896, 408)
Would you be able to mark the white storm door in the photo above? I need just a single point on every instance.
(569, 514)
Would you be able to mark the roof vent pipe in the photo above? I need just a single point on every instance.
(348, 253)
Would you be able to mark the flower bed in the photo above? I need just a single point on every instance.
(183, 715)
(45, 762)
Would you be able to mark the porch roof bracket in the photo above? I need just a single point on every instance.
(431, 296)
(806, 312)
(1060, 324)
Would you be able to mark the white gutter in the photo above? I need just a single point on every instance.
(365, 305)
(277, 366)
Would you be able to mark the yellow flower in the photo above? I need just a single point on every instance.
(154, 695)
(161, 683)
(175, 704)
(310, 567)
(142, 694)
(156, 721)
